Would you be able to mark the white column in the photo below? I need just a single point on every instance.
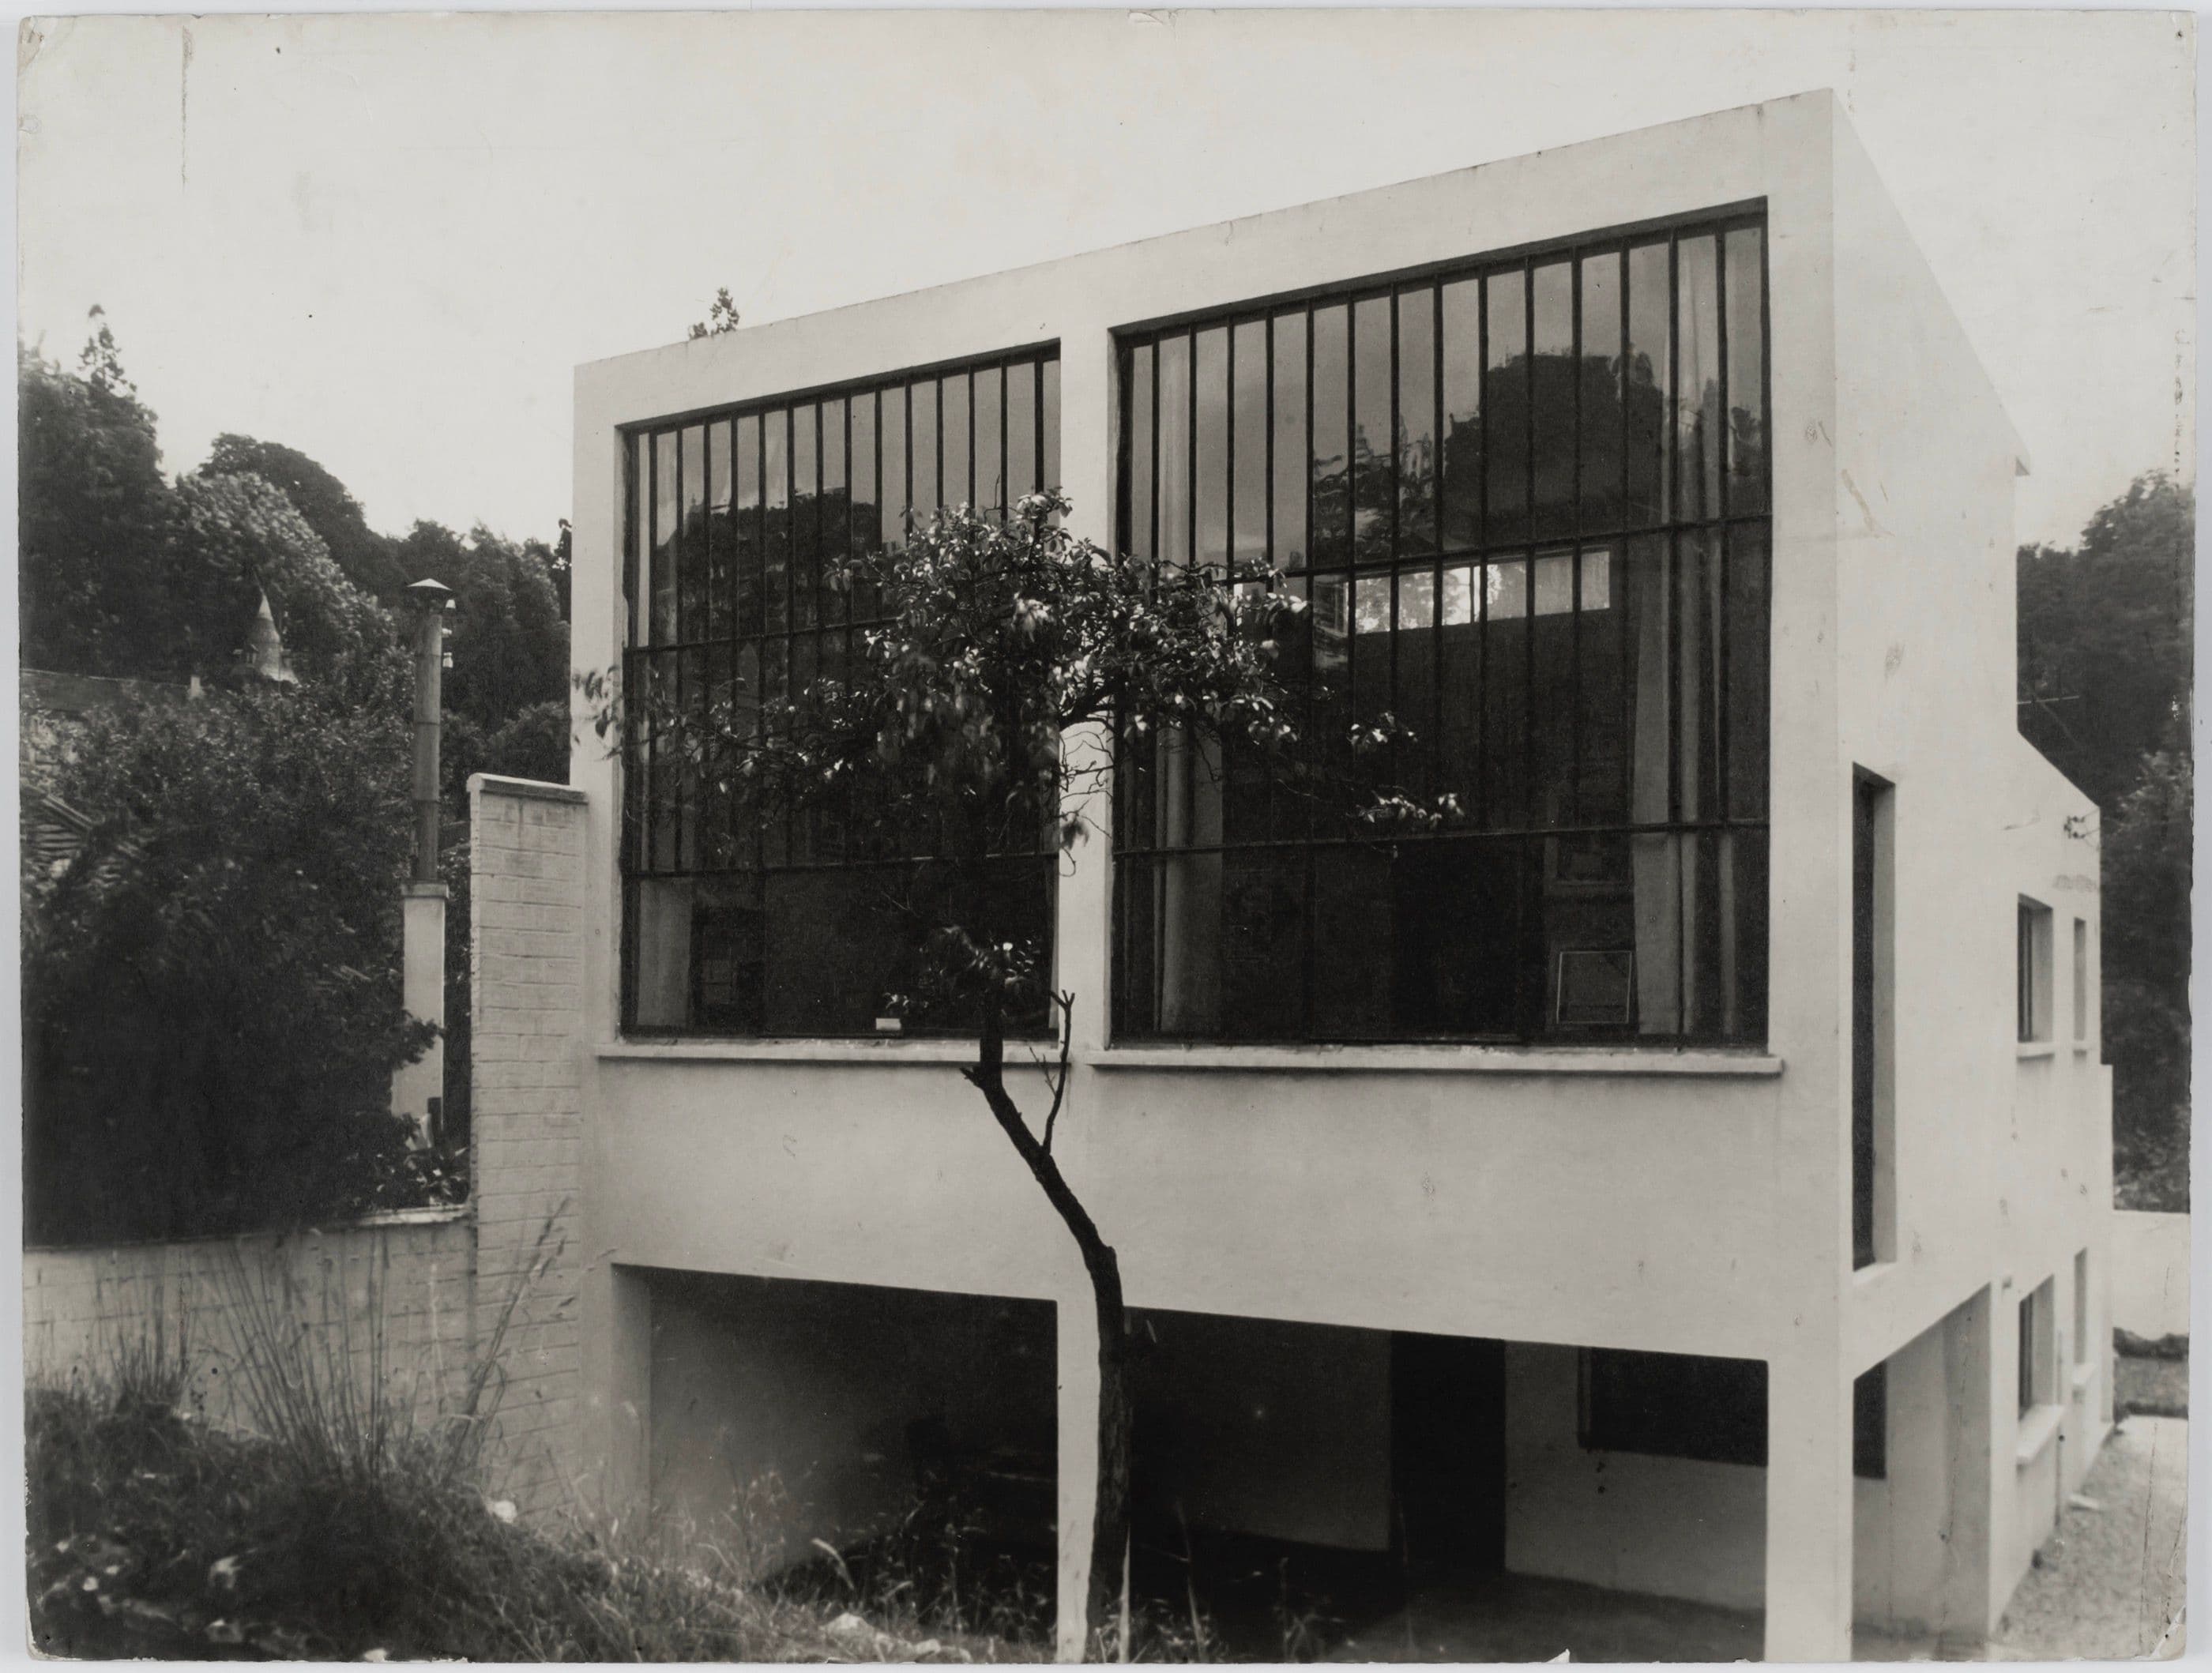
(1078, 1350)
(1809, 1510)
(422, 991)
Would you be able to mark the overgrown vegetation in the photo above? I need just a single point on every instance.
(2106, 644)
(212, 956)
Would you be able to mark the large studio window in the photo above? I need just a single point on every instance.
(738, 523)
(1527, 505)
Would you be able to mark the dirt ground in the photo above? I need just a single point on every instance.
(2112, 1580)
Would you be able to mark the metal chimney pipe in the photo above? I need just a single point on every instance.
(431, 600)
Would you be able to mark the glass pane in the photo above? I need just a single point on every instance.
(1332, 504)
(833, 521)
(691, 564)
(1050, 378)
(1330, 620)
(1263, 932)
(1137, 537)
(1457, 964)
(639, 466)
(1351, 923)
(775, 519)
(1600, 386)
(1552, 682)
(1748, 693)
(1210, 446)
(1248, 492)
(805, 500)
(1462, 398)
(1288, 332)
(990, 442)
(1650, 337)
(1174, 479)
(1415, 701)
(1700, 428)
(1747, 371)
(1646, 724)
(1374, 476)
(1506, 695)
(1459, 685)
(897, 495)
(867, 502)
(1505, 400)
(1021, 430)
(958, 480)
(924, 458)
(721, 536)
(1697, 679)
(663, 583)
(748, 523)
(1417, 422)
(1602, 781)
(1552, 372)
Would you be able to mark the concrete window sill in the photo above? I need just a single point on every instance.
(2037, 1048)
(2038, 1428)
(891, 1052)
(1436, 1060)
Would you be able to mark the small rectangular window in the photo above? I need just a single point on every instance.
(1673, 1405)
(2081, 980)
(1871, 965)
(1870, 1424)
(2039, 1364)
(2081, 1307)
(2034, 970)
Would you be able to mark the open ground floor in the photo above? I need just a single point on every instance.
(1308, 1491)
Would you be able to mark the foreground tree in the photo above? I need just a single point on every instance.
(977, 725)
(211, 1002)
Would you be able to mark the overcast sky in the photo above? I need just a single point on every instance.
(386, 240)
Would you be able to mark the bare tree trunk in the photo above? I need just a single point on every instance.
(1109, 1528)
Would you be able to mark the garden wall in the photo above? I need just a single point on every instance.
(394, 1295)
(2150, 1273)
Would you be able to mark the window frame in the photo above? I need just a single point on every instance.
(2033, 962)
(1742, 519)
(640, 444)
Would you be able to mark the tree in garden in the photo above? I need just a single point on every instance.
(2146, 865)
(975, 724)
(94, 520)
(325, 503)
(211, 1006)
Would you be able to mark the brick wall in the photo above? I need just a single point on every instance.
(392, 1294)
(526, 926)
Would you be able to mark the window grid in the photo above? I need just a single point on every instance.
(733, 522)
(1700, 513)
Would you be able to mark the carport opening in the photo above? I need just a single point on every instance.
(860, 1443)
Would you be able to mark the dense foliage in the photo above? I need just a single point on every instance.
(2106, 645)
(211, 960)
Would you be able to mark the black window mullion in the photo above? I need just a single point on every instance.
(1316, 748)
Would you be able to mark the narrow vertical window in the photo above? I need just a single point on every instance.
(2034, 970)
(1872, 1185)
(2080, 982)
(2081, 1307)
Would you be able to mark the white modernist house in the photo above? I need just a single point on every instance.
(1685, 1175)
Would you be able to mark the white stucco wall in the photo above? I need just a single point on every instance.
(2150, 1273)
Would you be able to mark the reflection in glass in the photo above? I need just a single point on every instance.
(957, 480)
(833, 518)
(1505, 394)
(1699, 431)
(805, 500)
(775, 519)
(719, 534)
(1173, 484)
(663, 538)
(1747, 371)
(1650, 349)
(1143, 462)
(1021, 432)
(897, 492)
(1552, 370)
(1332, 499)
(1462, 513)
(1289, 333)
(1211, 443)
(1248, 492)
(925, 459)
(1374, 487)
(1050, 378)
(1599, 481)
(990, 442)
(1417, 423)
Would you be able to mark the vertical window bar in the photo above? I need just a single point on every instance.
(1481, 570)
(1530, 813)
(1437, 779)
(1574, 808)
(1312, 916)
